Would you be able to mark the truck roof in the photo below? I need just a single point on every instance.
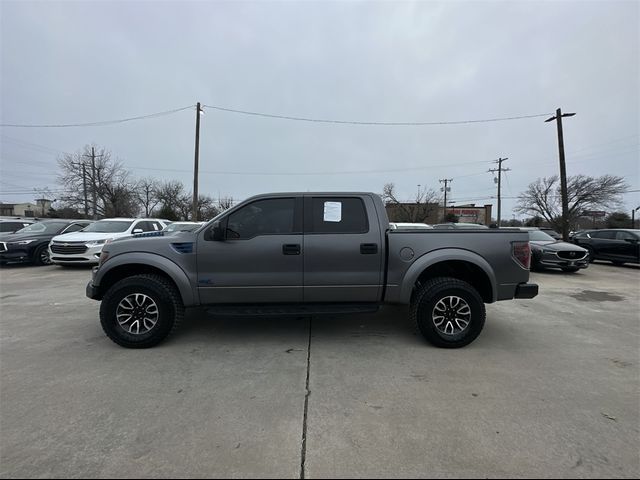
(310, 194)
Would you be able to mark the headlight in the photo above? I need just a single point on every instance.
(95, 243)
(22, 242)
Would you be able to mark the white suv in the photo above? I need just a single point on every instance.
(85, 246)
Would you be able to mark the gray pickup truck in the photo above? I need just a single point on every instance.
(309, 253)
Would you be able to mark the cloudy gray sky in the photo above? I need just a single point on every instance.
(73, 62)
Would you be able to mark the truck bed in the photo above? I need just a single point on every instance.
(410, 251)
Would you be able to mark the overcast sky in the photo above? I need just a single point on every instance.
(72, 62)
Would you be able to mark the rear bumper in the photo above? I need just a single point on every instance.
(526, 290)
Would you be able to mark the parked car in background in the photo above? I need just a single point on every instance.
(547, 252)
(409, 226)
(458, 225)
(84, 247)
(10, 225)
(30, 243)
(182, 226)
(617, 245)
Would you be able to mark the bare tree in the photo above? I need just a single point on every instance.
(225, 203)
(146, 191)
(106, 178)
(171, 197)
(418, 210)
(543, 197)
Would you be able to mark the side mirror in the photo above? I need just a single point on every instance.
(217, 232)
(138, 230)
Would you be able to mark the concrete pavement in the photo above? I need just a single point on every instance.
(551, 388)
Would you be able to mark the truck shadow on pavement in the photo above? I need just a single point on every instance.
(388, 322)
(391, 324)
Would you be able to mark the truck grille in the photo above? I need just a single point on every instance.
(68, 248)
(572, 255)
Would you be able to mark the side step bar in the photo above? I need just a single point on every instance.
(296, 309)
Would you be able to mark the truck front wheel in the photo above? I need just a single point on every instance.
(141, 311)
(448, 312)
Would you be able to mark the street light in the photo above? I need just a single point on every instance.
(563, 172)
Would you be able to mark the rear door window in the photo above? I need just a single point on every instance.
(144, 226)
(604, 234)
(337, 215)
(625, 236)
(10, 226)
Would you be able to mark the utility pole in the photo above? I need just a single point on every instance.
(633, 217)
(563, 172)
(446, 188)
(499, 170)
(199, 111)
(93, 181)
(84, 189)
(84, 186)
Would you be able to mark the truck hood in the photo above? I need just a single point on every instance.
(153, 242)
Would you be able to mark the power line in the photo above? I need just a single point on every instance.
(97, 124)
(335, 172)
(354, 122)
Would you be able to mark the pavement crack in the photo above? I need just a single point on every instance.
(307, 392)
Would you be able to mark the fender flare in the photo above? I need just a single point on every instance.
(159, 262)
(442, 255)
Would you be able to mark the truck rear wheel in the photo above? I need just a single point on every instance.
(141, 311)
(448, 312)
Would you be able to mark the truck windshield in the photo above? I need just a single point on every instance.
(108, 226)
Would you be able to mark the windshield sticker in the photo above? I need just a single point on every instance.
(332, 211)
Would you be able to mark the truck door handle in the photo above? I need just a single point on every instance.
(368, 248)
(291, 249)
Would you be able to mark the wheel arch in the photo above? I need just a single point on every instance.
(127, 265)
(454, 263)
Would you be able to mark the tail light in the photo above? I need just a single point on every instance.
(521, 251)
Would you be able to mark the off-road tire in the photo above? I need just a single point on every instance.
(165, 295)
(429, 294)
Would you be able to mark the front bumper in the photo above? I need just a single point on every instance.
(92, 291)
(14, 255)
(552, 260)
(89, 257)
(526, 290)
